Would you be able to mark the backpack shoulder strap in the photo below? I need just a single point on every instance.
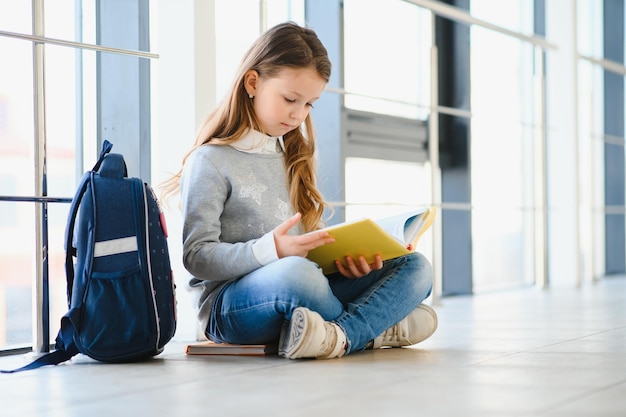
(55, 357)
(71, 218)
(52, 358)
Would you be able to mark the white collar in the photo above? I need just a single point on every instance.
(257, 142)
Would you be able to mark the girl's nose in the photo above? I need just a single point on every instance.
(300, 113)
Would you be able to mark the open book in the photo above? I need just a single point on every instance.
(388, 237)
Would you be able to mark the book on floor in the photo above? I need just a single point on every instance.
(212, 348)
(389, 237)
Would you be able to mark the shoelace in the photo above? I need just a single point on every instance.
(397, 333)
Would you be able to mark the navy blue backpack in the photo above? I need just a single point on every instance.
(120, 288)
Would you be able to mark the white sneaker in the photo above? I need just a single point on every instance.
(418, 326)
(307, 335)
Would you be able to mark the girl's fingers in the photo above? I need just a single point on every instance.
(284, 227)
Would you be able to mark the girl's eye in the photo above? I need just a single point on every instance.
(291, 101)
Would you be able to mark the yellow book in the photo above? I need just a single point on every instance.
(389, 237)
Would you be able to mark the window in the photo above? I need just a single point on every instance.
(387, 69)
(85, 97)
(503, 141)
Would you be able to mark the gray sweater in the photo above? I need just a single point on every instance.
(231, 201)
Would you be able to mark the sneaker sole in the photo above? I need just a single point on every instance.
(291, 339)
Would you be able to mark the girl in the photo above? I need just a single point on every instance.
(248, 195)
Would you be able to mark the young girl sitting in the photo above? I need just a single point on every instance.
(248, 197)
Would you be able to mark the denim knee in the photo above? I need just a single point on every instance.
(299, 277)
(423, 274)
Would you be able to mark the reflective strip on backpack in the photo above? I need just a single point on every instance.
(115, 246)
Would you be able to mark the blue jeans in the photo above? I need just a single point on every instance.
(252, 309)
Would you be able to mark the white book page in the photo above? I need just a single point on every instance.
(404, 226)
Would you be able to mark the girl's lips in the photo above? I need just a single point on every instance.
(287, 127)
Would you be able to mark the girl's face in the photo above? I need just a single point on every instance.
(283, 102)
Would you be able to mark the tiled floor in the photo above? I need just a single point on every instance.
(546, 353)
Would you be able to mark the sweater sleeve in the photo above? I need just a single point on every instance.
(204, 192)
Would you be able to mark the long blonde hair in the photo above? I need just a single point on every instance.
(285, 45)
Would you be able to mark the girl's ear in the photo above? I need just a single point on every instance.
(249, 81)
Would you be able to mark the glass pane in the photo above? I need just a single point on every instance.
(501, 254)
(62, 113)
(512, 73)
(390, 65)
(15, 16)
(285, 10)
(59, 20)
(516, 15)
(502, 218)
(592, 151)
(16, 119)
(87, 110)
(590, 34)
(119, 27)
(16, 273)
(502, 141)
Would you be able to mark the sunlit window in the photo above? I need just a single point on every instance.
(16, 179)
(70, 125)
(503, 142)
(387, 57)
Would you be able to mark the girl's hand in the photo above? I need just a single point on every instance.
(297, 245)
(358, 269)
